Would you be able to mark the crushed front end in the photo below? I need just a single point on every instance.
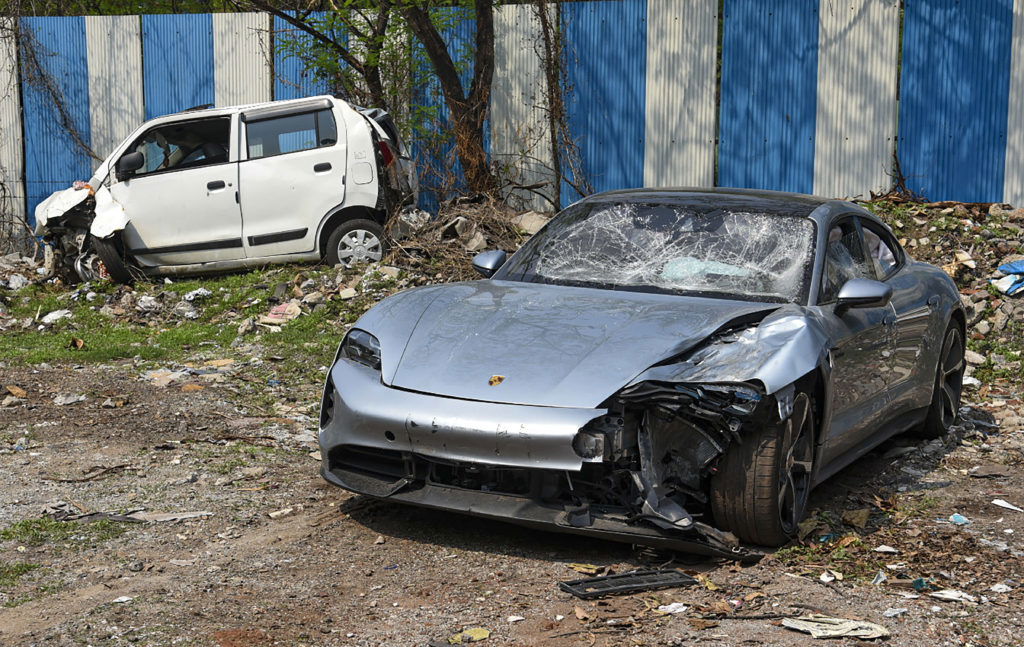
(634, 470)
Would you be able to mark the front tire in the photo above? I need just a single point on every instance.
(111, 252)
(355, 241)
(949, 384)
(762, 485)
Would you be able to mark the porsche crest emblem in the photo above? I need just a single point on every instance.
(496, 380)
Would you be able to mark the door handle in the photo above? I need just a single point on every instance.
(216, 184)
(933, 301)
(322, 167)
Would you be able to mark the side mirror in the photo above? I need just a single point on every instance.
(862, 293)
(487, 263)
(128, 164)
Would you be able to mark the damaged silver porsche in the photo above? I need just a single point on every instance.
(675, 368)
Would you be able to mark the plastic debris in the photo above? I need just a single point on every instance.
(472, 635)
(828, 575)
(282, 313)
(68, 398)
(893, 612)
(884, 548)
(1007, 505)
(198, 293)
(958, 519)
(1000, 588)
(516, 618)
(55, 316)
(820, 626)
(283, 512)
(123, 599)
(1013, 282)
(675, 607)
(953, 595)
(880, 578)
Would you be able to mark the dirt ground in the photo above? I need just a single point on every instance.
(285, 559)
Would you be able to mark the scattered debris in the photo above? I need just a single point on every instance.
(673, 608)
(893, 612)
(990, 471)
(122, 600)
(820, 626)
(283, 512)
(886, 549)
(197, 294)
(472, 635)
(282, 313)
(1000, 588)
(857, 518)
(516, 618)
(953, 595)
(586, 569)
(1006, 504)
(16, 391)
(958, 519)
(55, 316)
(68, 398)
(595, 587)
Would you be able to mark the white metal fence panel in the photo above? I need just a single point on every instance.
(679, 147)
(858, 44)
(241, 58)
(114, 49)
(519, 127)
(12, 163)
(1013, 180)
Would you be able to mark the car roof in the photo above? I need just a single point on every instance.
(756, 200)
(198, 113)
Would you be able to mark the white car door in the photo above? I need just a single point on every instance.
(292, 174)
(182, 204)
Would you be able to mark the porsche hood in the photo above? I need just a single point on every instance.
(524, 343)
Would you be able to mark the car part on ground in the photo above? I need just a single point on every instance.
(625, 583)
(687, 394)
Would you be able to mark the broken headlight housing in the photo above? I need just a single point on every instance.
(362, 347)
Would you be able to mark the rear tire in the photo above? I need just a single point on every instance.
(111, 252)
(949, 383)
(355, 241)
(762, 485)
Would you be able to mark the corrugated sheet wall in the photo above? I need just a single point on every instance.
(606, 69)
(768, 96)
(241, 58)
(114, 47)
(52, 159)
(855, 129)
(12, 163)
(807, 94)
(679, 149)
(178, 62)
(954, 97)
(291, 78)
(519, 121)
(1013, 185)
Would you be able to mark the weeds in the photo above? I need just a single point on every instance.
(43, 531)
(11, 572)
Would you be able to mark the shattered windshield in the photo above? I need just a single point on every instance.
(671, 248)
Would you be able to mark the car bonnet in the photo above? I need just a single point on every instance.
(546, 345)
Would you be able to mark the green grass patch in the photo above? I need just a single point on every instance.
(44, 531)
(11, 572)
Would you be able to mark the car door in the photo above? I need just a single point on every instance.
(914, 312)
(862, 343)
(181, 204)
(293, 175)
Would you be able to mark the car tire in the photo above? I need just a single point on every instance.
(355, 241)
(111, 252)
(948, 386)
(761, 487)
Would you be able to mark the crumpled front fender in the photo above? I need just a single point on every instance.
(110, 215)
(785, 346)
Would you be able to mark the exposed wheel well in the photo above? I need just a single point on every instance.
(340, 216)
(961, 320)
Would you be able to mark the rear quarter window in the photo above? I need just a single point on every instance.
(291, 133)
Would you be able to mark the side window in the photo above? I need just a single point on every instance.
(184, 145)
(291, 133)
(881, 249)
(844, 260)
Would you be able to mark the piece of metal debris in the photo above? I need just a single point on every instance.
(595, 587)
(820, 626)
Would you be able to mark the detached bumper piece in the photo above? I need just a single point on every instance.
(625, 583)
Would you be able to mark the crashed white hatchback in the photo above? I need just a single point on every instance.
(217, 189)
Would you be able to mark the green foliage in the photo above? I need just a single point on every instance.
(11, 572)
(44, 530)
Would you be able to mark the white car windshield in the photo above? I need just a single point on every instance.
(673, 249)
